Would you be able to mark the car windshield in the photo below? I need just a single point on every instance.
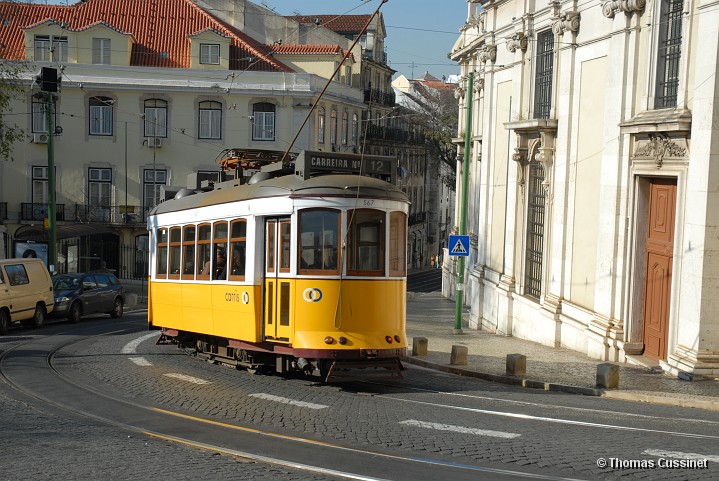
(63, 283)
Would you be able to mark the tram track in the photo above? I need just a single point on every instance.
(29, 368)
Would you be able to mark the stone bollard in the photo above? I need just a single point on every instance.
(419, 346)
(516, 365)
(131, 299)
(607, 376)
(458, 357)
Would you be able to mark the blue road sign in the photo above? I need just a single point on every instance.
(459, 245)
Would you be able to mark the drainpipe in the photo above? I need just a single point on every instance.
(463, 204)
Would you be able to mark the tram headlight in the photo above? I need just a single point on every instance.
(329, 340)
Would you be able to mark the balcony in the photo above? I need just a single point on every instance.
(380, 97)
(111, 214)
(417, 218)
(378, 132)
(38, 212)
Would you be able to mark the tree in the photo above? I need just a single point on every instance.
(11, 89)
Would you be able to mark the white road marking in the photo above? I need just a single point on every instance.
(459, 429)
(140, 361)
(130, 347)
(660, 453)
(284, 400)
(184, 377)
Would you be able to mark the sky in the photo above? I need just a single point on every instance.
(419, 32)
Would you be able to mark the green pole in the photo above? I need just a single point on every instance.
(51, 217)
(463, 204)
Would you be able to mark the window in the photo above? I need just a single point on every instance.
(101, 116)
(355, 129)
(59, 49)
(219, 248)
(345, 127)
(209, 53)
(155, 118)
(319, 241)
(337, 71)
(16, 274)
(535, 231)
(321, 126)
(264, 121)
(333, 127)
(670, 46)
(366, 242)
(42, 48)
(204, 250)
(152, 180)
(238, 249)
(188, 252)
(162, 254)
(100, 193)
(348, 75)
(210, 120)
(397, 245)
(543, 75)
(40, 192)
(175, 249)
(39, 116)
(101, 51)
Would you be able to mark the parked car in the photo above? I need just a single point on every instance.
(25, 292)
(78, 295)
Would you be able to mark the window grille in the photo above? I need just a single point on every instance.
(535, 231)
(543, 75)
(670, 46)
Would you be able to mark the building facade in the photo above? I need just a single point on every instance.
(593, 172)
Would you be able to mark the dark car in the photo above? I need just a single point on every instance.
(78, 295)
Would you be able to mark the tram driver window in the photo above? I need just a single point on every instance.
(319, 240)
(162, 253)
(365, 250)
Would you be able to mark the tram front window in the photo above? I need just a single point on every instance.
(319, 240)
(365, 249)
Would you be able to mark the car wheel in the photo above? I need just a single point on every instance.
(38, 319)
(4, 322)
(75, 313)
(117, 308)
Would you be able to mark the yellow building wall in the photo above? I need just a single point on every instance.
(588, 174)
(499, 158)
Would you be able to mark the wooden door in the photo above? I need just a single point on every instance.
(660, 251)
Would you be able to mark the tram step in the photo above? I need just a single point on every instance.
(346, 371)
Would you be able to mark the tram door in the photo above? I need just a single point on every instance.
(278, 287)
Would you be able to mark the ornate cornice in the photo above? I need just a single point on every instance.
(488, 52)
(566, 22)
(517, 41)
(612, 7)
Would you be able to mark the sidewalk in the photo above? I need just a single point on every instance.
(555, 369)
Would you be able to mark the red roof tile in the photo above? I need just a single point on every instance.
(338, 23)
(298, 49)
(160, 29)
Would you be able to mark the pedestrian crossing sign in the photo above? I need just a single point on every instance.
(459, 245)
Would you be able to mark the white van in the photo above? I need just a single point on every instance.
(25, 293)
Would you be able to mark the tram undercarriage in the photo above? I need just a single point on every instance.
(266, 358)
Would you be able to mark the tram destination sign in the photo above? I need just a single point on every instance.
(311, 163)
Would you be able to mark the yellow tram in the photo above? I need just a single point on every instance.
(301, 268)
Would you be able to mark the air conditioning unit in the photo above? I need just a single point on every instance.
(39, 138)
(154, 142)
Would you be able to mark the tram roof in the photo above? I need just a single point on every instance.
(284, 186)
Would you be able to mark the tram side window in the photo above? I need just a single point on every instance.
(238, 249)
(204, 251)
(319, 239)
(162, 253)
(175, 248)
(365, 250)
(397, 244)
(188, 252)
(219, 248)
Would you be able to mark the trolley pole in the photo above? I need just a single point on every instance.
(463, 203)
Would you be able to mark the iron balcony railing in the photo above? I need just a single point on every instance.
(110, 214)
(378, 132)
(38, 212)
(380, 97)
(417, 218)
